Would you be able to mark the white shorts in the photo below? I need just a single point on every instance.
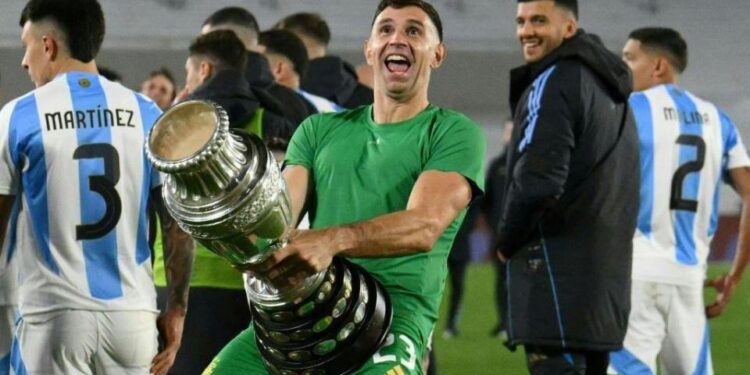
(87, 342)
(667, 326)
(7, 327)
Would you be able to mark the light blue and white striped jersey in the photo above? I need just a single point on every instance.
(73, 150)
(687, 147)
(321, 104)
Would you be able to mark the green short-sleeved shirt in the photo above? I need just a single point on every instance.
(361, 170)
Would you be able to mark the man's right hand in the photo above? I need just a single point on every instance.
(725, 285)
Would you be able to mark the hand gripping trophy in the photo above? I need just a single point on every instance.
(224, 188)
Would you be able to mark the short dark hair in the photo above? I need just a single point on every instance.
(223, 47)
(234, 16)
(666, 41)
(311, 25)
(287, 44)
(570, 5)
(109, 73)
(421, 4)
(81, 22)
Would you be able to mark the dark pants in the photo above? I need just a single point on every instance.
(546, 360)
(215, 316)
(501, 294)
(457, 275)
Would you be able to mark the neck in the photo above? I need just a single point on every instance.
(670, 80)
(290, 81)
(314, 49)
(387, 109)
(73, 65)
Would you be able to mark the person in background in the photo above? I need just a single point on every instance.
(571, 201)
(272, 96)
(86, 297)
(688, 146)
(287, 58)
(492, 207)
(160, 86)
(328, 76)
(458, 260)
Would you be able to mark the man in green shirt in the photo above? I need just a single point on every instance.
(389, 185)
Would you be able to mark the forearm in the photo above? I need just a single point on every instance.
(400, 233)
(742, 255)
(179, 252)
(6, 206)
(536, 186)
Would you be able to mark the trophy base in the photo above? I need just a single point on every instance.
(334, 331)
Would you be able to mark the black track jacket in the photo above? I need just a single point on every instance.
(571, 199)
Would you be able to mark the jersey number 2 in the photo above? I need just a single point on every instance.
(677, 201)
(103, 185)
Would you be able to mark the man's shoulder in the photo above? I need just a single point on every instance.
(14, 106)
(453, 116)
(450, 121)
(346, 117)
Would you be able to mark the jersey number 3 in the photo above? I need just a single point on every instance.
(104, 185)
(677, 201)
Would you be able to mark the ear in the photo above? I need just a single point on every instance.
(368, 53)
(278, 69)
(663, 68)
(571, 28)
(440, 53)
(51, 49)
(205, 70)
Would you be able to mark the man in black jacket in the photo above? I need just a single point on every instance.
(327, 76)
(572, 194)
(214, 72)
(272, 96)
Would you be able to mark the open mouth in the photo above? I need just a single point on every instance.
(531, 43)
(397, 63)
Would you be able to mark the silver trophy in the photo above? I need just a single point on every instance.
(224, 188)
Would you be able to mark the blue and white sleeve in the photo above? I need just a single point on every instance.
(8, 163)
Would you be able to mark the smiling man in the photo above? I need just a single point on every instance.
(571, 197)
(390, 184)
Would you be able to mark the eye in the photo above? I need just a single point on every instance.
(413, 31)
(538, 20)
(385, 29)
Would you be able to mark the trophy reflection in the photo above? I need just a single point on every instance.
(225, 188)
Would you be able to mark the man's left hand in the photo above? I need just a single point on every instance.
(170, 325)
(725, 285)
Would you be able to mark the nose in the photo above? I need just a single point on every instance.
(24, 64)
(525, 29)
(397, 38)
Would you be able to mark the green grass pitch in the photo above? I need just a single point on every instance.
(474, 352)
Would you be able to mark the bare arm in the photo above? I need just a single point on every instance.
(179, 251)
(435, 201)
(6, 206)
(726, 284)
(297, 181)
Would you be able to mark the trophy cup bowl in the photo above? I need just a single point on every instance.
(224, 188)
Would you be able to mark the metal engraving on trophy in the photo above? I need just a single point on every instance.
(224, 188)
